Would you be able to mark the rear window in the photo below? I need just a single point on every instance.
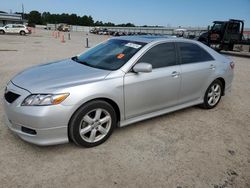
(192, 53)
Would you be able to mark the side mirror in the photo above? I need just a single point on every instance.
(142, 67)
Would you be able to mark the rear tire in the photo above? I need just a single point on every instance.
(213, 95)
(2, 32)
(92, 124)
(22, 32)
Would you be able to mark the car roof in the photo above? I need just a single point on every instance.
(153, 38)
(15, 24)
(145, 38)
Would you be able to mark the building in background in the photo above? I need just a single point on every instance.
(6, 18)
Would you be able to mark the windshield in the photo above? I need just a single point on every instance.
(110, 55)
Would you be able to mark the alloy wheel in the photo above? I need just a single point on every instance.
(214, 94)
(95, 125)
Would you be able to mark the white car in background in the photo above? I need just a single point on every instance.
(14, 29)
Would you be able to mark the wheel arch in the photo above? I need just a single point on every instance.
(110, 101)
(222, 80)
(22, 31)
(113, 104)
(205, 104)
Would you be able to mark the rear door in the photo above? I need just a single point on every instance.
(15, 29)
(197, 70)
(159, 89)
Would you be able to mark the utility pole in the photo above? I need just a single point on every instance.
(22, 11)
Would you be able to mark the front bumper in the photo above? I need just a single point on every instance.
(43, 137)
(49, 123)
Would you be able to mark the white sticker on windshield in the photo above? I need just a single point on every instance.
(133, 45)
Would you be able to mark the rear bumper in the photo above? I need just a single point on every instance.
(229, 80)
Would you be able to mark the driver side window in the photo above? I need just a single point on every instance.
(162, 55)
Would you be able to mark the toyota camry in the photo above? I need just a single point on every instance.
(118, 82)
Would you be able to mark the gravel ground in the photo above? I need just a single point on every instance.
(187, 148)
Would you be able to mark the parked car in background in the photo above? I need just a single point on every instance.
(63, 27)
(47, 28)
(119, 82)
(14, 29)
(103, 31)
(180, 32)
(95, 30)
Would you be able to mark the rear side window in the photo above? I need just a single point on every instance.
(162, 55)
(18, 26)
(192, 53)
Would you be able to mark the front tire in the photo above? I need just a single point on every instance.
(2, 32)
(213, 95)
(92, 124)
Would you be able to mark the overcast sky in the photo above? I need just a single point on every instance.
(142, 12)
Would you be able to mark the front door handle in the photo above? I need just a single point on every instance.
(175, 74)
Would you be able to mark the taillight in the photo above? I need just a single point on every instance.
(232, 65)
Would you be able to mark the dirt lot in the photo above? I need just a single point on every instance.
(188, 148)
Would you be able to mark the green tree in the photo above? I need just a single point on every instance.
(72, 19)
(90, 21)
(34, 18)
(126, 25)
(98, 23)
(46, 16)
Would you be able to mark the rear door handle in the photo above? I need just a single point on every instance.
(175, 74)
(212, 67)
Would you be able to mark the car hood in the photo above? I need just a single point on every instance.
(57, 75)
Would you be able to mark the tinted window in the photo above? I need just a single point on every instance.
(18, 26)
(162, 55)
(192, 53)
(234, 28)
(110, 55)
(218, 27)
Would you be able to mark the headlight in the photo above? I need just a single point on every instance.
(44, 99)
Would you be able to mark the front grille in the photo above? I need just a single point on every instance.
(10, 96)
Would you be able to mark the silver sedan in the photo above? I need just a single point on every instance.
(118, 82)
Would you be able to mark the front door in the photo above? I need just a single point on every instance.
(159, 89)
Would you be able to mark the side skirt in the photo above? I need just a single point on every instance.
(158, 113)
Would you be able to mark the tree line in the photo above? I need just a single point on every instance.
(35, 17)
